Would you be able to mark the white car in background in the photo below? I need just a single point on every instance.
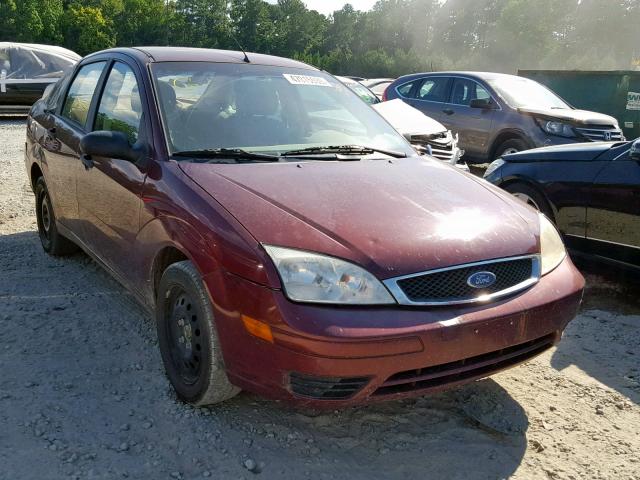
(427, 135)
(27, 69)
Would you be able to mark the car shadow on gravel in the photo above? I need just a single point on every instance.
(83, 391)
(603, 340)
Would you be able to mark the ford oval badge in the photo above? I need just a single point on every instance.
(481, 279)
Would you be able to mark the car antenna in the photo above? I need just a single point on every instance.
(235, 39)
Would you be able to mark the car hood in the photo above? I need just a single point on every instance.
(392, 217)
(573, 116)
(572, 151)
(407, 120)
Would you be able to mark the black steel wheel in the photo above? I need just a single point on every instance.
(52, 241)
(185, 334)
(188, 338)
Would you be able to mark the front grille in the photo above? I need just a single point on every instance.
(326, 388)
(465, 369)
(602, 133)
(442, 152)
(450, 285)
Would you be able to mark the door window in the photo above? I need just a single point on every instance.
(434, 89)
(465, 90)
(78, 100)
(120, 108)
(405, 90)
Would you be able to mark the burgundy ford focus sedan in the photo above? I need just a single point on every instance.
(289, 241)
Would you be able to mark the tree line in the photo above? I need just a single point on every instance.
(394, 38)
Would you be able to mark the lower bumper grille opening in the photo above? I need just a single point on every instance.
(478, 366)
(326, 388)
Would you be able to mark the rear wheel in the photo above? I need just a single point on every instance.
(531, 197)
(52, 241)
(513, 145)
(188, 338)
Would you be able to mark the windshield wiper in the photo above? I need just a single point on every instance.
(343, 150)
(226, 153)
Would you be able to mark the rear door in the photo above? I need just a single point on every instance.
(472, 124)
(109, 192)
(613, 214)
(427, 95)
(60, 143)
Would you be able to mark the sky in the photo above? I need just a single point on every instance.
(329, 6)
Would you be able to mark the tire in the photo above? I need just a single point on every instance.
(512, 145)
(188, 339)
(531, 197)
(52, 241)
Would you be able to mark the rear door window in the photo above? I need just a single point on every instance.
(405, 90)
(464, 90)
(120, 108)
(78, 100)
(434, 89)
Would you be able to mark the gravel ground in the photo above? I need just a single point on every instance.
(83, 394)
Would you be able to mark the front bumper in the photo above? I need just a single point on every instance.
(378, 353)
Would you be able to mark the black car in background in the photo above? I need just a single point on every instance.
(26, 70)
(591, 191)
(497, 114)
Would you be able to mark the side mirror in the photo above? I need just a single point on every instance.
(107, 144)
(634, 151)
(483, 103)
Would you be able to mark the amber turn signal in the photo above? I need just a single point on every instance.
(257, 328)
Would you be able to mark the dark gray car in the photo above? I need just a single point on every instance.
(496, 114)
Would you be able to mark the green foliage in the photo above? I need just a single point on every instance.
(395, 37)
(86, 29)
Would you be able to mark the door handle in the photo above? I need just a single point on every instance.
(448, 111)
(86, 161)
(52, 132)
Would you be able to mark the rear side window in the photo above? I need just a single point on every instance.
(405, 90)
(434, 89)
(120, 108)
(78, 100)
(465, 90)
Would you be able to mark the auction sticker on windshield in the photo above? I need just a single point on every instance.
(306, 80)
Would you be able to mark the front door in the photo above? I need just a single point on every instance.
(613, 214)
(109, 191)
(472, 124)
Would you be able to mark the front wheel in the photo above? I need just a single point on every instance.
(513, 145)
(531, 197)
(52, 241)
(188, 339)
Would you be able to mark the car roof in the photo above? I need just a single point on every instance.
(188, 54)
(59, 51)
(480, 75)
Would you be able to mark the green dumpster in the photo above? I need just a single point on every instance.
(615, 93)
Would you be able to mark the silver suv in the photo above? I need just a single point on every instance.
(496, 114)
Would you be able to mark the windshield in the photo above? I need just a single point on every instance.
(522, 92)
(264, 109)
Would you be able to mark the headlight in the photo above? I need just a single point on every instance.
(309, 277)
(496, 164)
(552, 249)
(559, 129)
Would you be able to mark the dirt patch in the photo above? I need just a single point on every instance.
(83, 394)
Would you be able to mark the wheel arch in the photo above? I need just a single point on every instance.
(35, 173)
(165, 257)
(507, 134)
(533, 185)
